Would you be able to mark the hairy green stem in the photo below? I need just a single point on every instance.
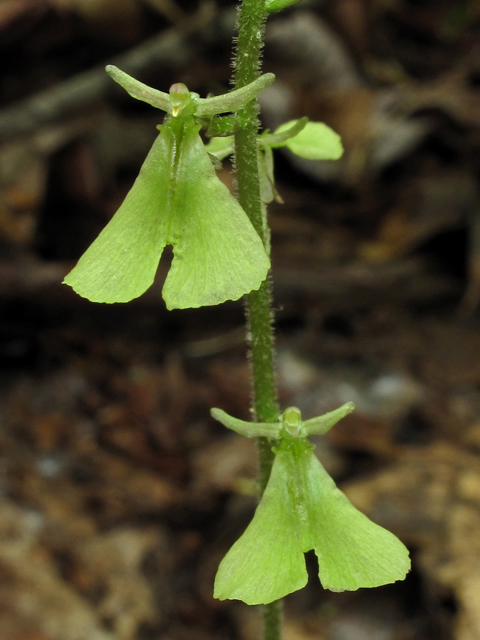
(272, 618)
(251, 28)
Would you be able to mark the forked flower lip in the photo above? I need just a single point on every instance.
(177, 200)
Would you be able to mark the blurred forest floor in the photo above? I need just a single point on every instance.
(118, 493)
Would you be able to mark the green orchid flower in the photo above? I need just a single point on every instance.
(302, 509)
(177, 200)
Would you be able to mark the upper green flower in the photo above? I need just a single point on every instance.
(178, 200)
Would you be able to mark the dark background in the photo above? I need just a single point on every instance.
(118, 493)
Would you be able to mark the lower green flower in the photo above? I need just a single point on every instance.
(302, 509)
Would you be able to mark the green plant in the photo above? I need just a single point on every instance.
(221, 252)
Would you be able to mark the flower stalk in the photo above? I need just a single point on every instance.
(251, 29)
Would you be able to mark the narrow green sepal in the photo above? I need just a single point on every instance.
(233, 100)
(302, 509)
(283, 133)
(319, 426)
(139, 90)
(247, 429)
